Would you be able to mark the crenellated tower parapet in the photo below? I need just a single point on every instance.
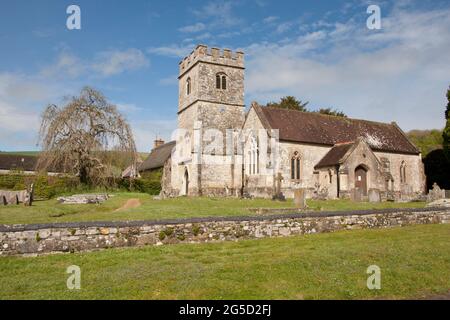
(211, 55)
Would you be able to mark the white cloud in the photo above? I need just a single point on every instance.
(283, 27)
(399, 73)
(127, 108)
(67, 64)
(219, 13)
(104, 64)
(175, 51)
(170, 80)
(193, 28)
(146, 131)
(115, 62)
(21, 100)
(270, 19)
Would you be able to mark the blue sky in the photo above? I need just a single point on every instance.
(319, 51)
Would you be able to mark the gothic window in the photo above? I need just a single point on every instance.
(253, 157)
(188, 86)
(218, 81)
(386, 164)
(295, 166)
(221, 81)
(403, 172)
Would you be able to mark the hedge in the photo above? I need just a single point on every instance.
(47, 187)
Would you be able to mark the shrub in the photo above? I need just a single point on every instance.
(45, 187)
(168, 231)
(196, 230)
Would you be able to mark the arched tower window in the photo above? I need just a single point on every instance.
(188, 86)
(403, 172)
(295, 166)
(221, 81)
(224, 82)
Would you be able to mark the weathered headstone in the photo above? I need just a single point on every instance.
(13, 198)
(357, 195)
(84, 199)
(442, 203)
(436, 193)
(28, 201)
(300, 198)
(278, 194)
(374, 195)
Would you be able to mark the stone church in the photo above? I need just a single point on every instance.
(220, 149)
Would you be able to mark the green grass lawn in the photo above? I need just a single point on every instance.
(51, 211)
(414, 262)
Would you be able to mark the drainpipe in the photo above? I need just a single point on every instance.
(338, 181)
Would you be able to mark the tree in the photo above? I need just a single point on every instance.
(436, 169)
(446, 133)
(79, 138)
(426, 140)
(332, 112)
(289, 102)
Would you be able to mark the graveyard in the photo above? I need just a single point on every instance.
(153, 208)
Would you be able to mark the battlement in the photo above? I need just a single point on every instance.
(212, 55)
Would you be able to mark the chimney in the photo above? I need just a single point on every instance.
(158, 142)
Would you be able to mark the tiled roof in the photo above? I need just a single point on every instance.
(157, 157)
(17, 162)
(329, 130)
(334, 155)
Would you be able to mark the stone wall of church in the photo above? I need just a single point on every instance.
(415, 175)
(265, 184)
(323, 182)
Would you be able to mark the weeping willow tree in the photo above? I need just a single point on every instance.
(85, 138)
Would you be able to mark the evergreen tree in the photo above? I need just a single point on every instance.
(332, 112)
(446, 133)
(289, 102)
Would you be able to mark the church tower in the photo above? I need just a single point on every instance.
(211, 96)
(211, 88)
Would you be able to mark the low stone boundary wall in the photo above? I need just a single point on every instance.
(72, 237)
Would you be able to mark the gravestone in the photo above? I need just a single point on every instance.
(436, 193)
(300, 198)
(374, 195)
(83, 199)
(28, 201)
(13, 198)
(357, 195)
(278, 194)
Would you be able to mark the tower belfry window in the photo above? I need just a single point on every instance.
(221, 81)
(224, 82)
(188, 86)
(217, 81)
